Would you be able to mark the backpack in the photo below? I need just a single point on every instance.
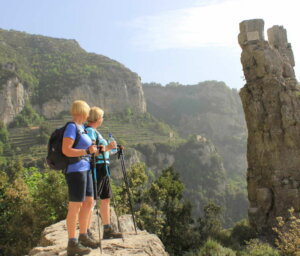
(55, 157)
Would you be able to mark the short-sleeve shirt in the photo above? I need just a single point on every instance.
(83, 143)
(94, 134)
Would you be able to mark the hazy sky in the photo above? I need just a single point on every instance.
(186, 41)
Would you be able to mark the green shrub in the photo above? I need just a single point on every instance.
(213, 248)
(27, 117)
(256, 248)
(3, 133)
(288, 234)
(242, 232)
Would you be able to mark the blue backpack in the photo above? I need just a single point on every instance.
(55, 157)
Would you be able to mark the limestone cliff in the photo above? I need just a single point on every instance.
(54, 241)
(54, 72)
(100, 93)
(271, 101)
(12, 99)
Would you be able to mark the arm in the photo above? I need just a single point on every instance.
(68, 141)
(111, 146)
(73, 152)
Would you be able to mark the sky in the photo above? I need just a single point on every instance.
(163, 41)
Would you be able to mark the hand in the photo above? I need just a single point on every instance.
(101, 148)
(112, 145)
(93, 149)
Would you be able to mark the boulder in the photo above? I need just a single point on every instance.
(54, 240)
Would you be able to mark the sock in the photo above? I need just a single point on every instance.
(107, 226)
(72, 239)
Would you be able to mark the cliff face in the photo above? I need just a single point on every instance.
(210, 109)
(12, 99)
(272, 109)
(112, 98)
(54, 72)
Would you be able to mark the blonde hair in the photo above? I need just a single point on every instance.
(80, 107)
(95, 114)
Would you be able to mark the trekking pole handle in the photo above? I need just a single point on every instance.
(100, 148)
(120, 150)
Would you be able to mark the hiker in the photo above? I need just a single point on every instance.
(104, 191)
(79, 180)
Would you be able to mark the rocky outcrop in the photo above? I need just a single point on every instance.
(271, 101)
(12, 99)
(54, 241)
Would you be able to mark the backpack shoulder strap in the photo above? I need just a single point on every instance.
(97, 140)
(97, 137)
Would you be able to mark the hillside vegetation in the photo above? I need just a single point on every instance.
(30, 143)
(50, 67)
(210, 109)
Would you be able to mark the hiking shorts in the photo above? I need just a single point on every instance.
(103, 184)
(80, 185)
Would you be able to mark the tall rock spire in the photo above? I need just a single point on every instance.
(271, 102)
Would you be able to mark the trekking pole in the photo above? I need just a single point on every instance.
(95, 191)
(121, 156)
(112, 194)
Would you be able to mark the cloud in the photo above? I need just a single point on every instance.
(210, 23)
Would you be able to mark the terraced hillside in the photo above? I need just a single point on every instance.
(26, 142)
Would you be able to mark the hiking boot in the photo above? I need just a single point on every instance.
(90, 234)
(87, 241)
(74, 247)
(109, 233)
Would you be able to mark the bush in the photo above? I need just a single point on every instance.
(3, 133)
(27, 117)
(288, 234)
(257, 248)
(213, 248)
(210, 225)
(242, 232)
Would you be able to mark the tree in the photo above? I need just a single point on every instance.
(165, 195)
(49, 194)
(210, 224)
(29, 201)
(17, 221)
(160, 209)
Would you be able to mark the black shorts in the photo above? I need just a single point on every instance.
(103, 184)
(80, 185)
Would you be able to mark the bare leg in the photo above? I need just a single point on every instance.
(85, 214)
(90, 216)
(105, 211)
(73, 211)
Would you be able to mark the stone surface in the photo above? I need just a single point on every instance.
(12, 99)
(271, 102)
(100, 93)
(54, 241)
